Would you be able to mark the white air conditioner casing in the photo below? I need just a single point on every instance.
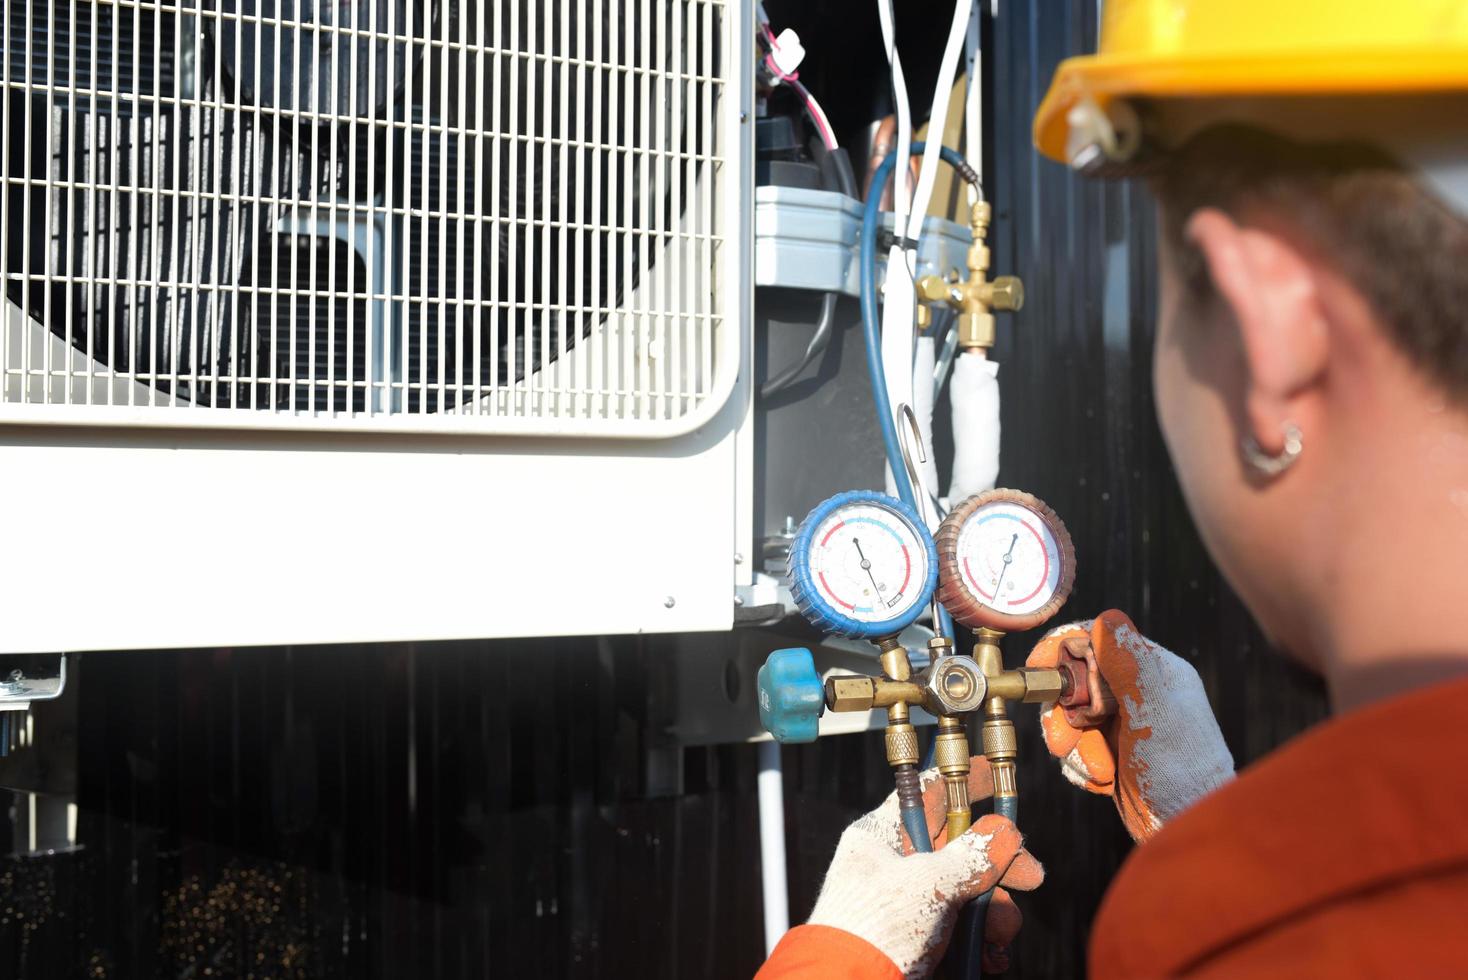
(490, 381)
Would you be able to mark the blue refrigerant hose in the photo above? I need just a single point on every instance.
(978, 910)
(871, 327)
(913, 820)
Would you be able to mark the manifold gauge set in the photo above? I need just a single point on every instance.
(863, 565)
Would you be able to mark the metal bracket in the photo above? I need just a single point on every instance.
(25, 678)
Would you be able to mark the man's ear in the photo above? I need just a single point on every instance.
(1272, 290)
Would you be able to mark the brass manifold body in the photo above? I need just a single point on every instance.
(977, 297)
(949, 688)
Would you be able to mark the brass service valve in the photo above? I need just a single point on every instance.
(977, 297)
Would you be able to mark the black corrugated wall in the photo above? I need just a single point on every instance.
(507, 809)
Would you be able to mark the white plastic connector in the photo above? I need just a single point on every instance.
(788, 53)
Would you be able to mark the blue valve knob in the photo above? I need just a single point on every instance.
(791, 697)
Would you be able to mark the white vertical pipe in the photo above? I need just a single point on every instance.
(772, 844)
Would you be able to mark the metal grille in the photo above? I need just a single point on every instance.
(424, 214)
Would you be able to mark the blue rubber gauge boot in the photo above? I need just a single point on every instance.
(863, 566)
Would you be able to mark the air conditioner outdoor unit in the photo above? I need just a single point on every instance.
(371, 320)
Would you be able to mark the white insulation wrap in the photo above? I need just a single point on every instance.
(975, 394)
(922, 407)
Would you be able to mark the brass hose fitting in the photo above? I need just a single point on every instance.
(997, 734)
(954, 686)
(976, 298)
(894, 660)
(950, 752)
(1000, 748)
(901, 737)
(902, 743)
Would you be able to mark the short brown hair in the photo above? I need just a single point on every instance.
(1357, 208)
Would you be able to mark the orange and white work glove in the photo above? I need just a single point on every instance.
(1162, 750)
(906, 903)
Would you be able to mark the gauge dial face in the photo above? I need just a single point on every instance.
(1006, 561)
(1009, 558)
(869, 563)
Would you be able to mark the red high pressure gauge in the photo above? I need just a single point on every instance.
(1005, 561)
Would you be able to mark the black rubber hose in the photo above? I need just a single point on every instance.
(817, 346)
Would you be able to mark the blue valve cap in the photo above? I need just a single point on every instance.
(791, 697)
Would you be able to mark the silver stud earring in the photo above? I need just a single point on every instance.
(1273, 465)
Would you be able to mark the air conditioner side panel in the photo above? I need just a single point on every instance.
(187, 539)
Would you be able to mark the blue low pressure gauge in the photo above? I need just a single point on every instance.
(862, 565)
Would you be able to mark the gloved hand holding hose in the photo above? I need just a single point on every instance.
(1162, 750)
(904, 903)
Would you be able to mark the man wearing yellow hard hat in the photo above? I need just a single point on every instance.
(1310, 162)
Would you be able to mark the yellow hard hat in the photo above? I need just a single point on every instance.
(1169, 49)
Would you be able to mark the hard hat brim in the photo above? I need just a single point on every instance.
(1104, 78)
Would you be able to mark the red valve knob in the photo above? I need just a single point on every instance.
(1084, 693)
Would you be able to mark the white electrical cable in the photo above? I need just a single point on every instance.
(899, 296)
(973, 107)
(901, 194)
(791, 79)
(975, 394)
(937, 120)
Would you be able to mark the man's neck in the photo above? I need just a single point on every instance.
(1393, 605)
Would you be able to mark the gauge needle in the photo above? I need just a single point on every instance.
(1008, 557)
(867, 566)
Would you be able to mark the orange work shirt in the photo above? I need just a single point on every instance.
(1343, 854)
